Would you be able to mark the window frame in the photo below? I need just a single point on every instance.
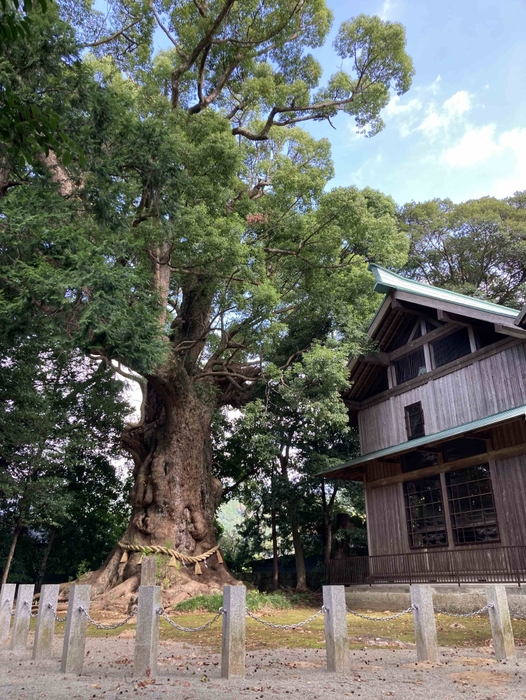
(417, 405)
(408, 508)
(455, 529)
(449, 515)
(442, 338)
(403, 357)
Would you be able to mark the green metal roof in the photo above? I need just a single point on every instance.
(387, 281)
(410, 445)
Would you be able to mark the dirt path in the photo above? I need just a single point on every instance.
(193, 673)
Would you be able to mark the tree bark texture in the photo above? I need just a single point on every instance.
(45, 558)
(16, 535)
(301, 573)
(275, 560)
(175, 495)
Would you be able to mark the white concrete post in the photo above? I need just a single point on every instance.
(147, 634)
(234, 626)
(499, 617)
(76, 628)
(149, 571)
(45, 621)
(425, 625)
(24, 601)
(7, 596)
(336, 641)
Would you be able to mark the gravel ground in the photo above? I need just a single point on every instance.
(192, 673)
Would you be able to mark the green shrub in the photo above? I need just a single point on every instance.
(255, 601)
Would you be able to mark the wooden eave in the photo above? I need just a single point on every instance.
(350, 470)
(364, 369)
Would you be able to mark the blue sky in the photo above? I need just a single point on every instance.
(460, 131)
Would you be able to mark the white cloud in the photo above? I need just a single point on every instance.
(407, 113)
(440, 119)
(396, 106)
(476, 146)
(387, 6)
(451, 144)
(506, 153)
(459, 103)
(404, 114)
(434, 88)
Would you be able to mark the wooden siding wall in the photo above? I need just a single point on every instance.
(487, 386)
(509, 434)
(386, 529)
(509, 488)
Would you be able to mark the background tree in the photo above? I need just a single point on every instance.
(58, 422)
(477, 247)
(278, 445)
(36, 66)
(196, 244)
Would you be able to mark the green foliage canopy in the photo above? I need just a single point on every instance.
(477, 247)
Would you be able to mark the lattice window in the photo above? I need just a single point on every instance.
(410, 366)
(403, 333)
(425, 513)
(451, 347)
(471, 505)
(379, 384)
(414, 420)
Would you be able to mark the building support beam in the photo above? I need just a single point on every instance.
(503, 453)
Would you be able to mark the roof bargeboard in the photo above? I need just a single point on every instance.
(387, 281)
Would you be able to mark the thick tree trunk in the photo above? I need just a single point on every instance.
(175, 495)
(275, 561)
(301, 573)
(328, 512)
(327, 550)
(16, 535)
(45, 558)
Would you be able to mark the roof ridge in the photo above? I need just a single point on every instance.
(385, 282)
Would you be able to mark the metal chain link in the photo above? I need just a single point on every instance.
(471, 614)
(26, 605)
(286, 627)
(58, 619)
(191, 629)
(382, 619)
(100, 626)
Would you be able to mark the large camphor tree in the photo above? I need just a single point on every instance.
(194, 246)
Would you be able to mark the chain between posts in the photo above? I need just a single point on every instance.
(161, 612)
(382, 619)
(57, 619)
(286, 627)
(31, 614)
(100, 626)
(471, 614)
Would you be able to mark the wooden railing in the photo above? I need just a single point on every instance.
(468, 565)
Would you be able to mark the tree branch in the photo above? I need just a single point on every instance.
(189, 62)
(107, 39)
(200, 9)
(180, 52)
(263, 135)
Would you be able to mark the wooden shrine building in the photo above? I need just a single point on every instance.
(440, 407)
